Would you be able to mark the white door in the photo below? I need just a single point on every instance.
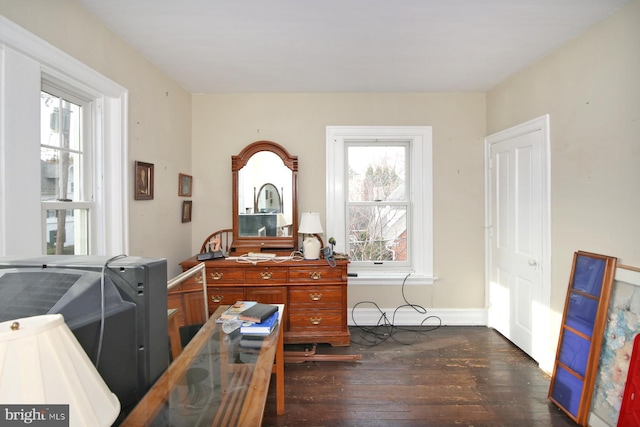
(517, 236)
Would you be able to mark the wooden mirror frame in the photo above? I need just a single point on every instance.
(245, 244)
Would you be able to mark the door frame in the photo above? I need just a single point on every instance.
(545, 352)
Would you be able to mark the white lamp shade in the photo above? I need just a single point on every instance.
(41, 362)
(281, 220)
(310, 223)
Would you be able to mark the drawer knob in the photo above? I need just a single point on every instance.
(315, 320)
(315, 275)
(266, 275)
(216, 276)
(198, 279)
(315, 296)
(217, 298)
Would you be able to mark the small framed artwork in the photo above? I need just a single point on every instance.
(186, 211)
(184, 185)
(144, 181)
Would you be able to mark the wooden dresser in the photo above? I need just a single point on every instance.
(314, 294)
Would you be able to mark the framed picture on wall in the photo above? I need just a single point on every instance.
(184, 185)
(143, 181)
(186, 211)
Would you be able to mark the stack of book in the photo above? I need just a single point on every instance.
(257, 318)
(264, 327)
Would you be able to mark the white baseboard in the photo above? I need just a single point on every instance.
(409, 317)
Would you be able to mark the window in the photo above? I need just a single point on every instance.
(63, 156)
(379, 201)
(66, 184)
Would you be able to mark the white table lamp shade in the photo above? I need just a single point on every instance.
(310, 224)
(281, 220)
(41, 362)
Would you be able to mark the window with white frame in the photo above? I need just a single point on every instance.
(66, 172)
(63, 156)
(379, 201)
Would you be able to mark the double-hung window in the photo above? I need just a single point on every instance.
(63, 152)
(379, 202)
(66, 172)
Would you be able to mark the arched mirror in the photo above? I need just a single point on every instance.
(265, 198)
(268, 200)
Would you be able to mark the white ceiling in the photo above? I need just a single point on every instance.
(211, 46)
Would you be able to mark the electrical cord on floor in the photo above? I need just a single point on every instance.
(386, 328)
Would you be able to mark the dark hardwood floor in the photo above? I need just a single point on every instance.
(450, 376)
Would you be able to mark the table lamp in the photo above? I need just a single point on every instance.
(42, 363)
(310, 224)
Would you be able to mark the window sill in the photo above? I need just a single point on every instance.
(389, 279)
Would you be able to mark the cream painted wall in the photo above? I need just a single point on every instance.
(591, 89)
(159, 117)
(224, 124)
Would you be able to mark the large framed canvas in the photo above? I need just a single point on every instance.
(622, 325)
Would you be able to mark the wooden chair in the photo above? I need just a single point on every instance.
(226, 238)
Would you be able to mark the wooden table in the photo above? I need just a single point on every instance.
(216, 381)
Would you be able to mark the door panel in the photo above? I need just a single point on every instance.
(524, 315)
(515, 238)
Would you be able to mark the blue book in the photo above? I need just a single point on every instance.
(263, 328)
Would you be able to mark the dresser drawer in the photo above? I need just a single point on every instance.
(315, 320)
(315, 274)
(217, 296)
(317, 295)
(219, 275)
(265, 275)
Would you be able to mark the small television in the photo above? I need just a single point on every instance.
(259, 224)
(134, 350)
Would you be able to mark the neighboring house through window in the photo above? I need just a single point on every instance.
(379, 201)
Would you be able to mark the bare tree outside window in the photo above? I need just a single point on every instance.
(61, 160)
(377, 203)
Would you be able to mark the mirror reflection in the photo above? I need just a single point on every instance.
(264, 196)
(268, 200)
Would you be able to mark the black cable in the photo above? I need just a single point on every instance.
(102, 306)
(386, 329)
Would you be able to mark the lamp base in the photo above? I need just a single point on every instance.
(311, 248)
